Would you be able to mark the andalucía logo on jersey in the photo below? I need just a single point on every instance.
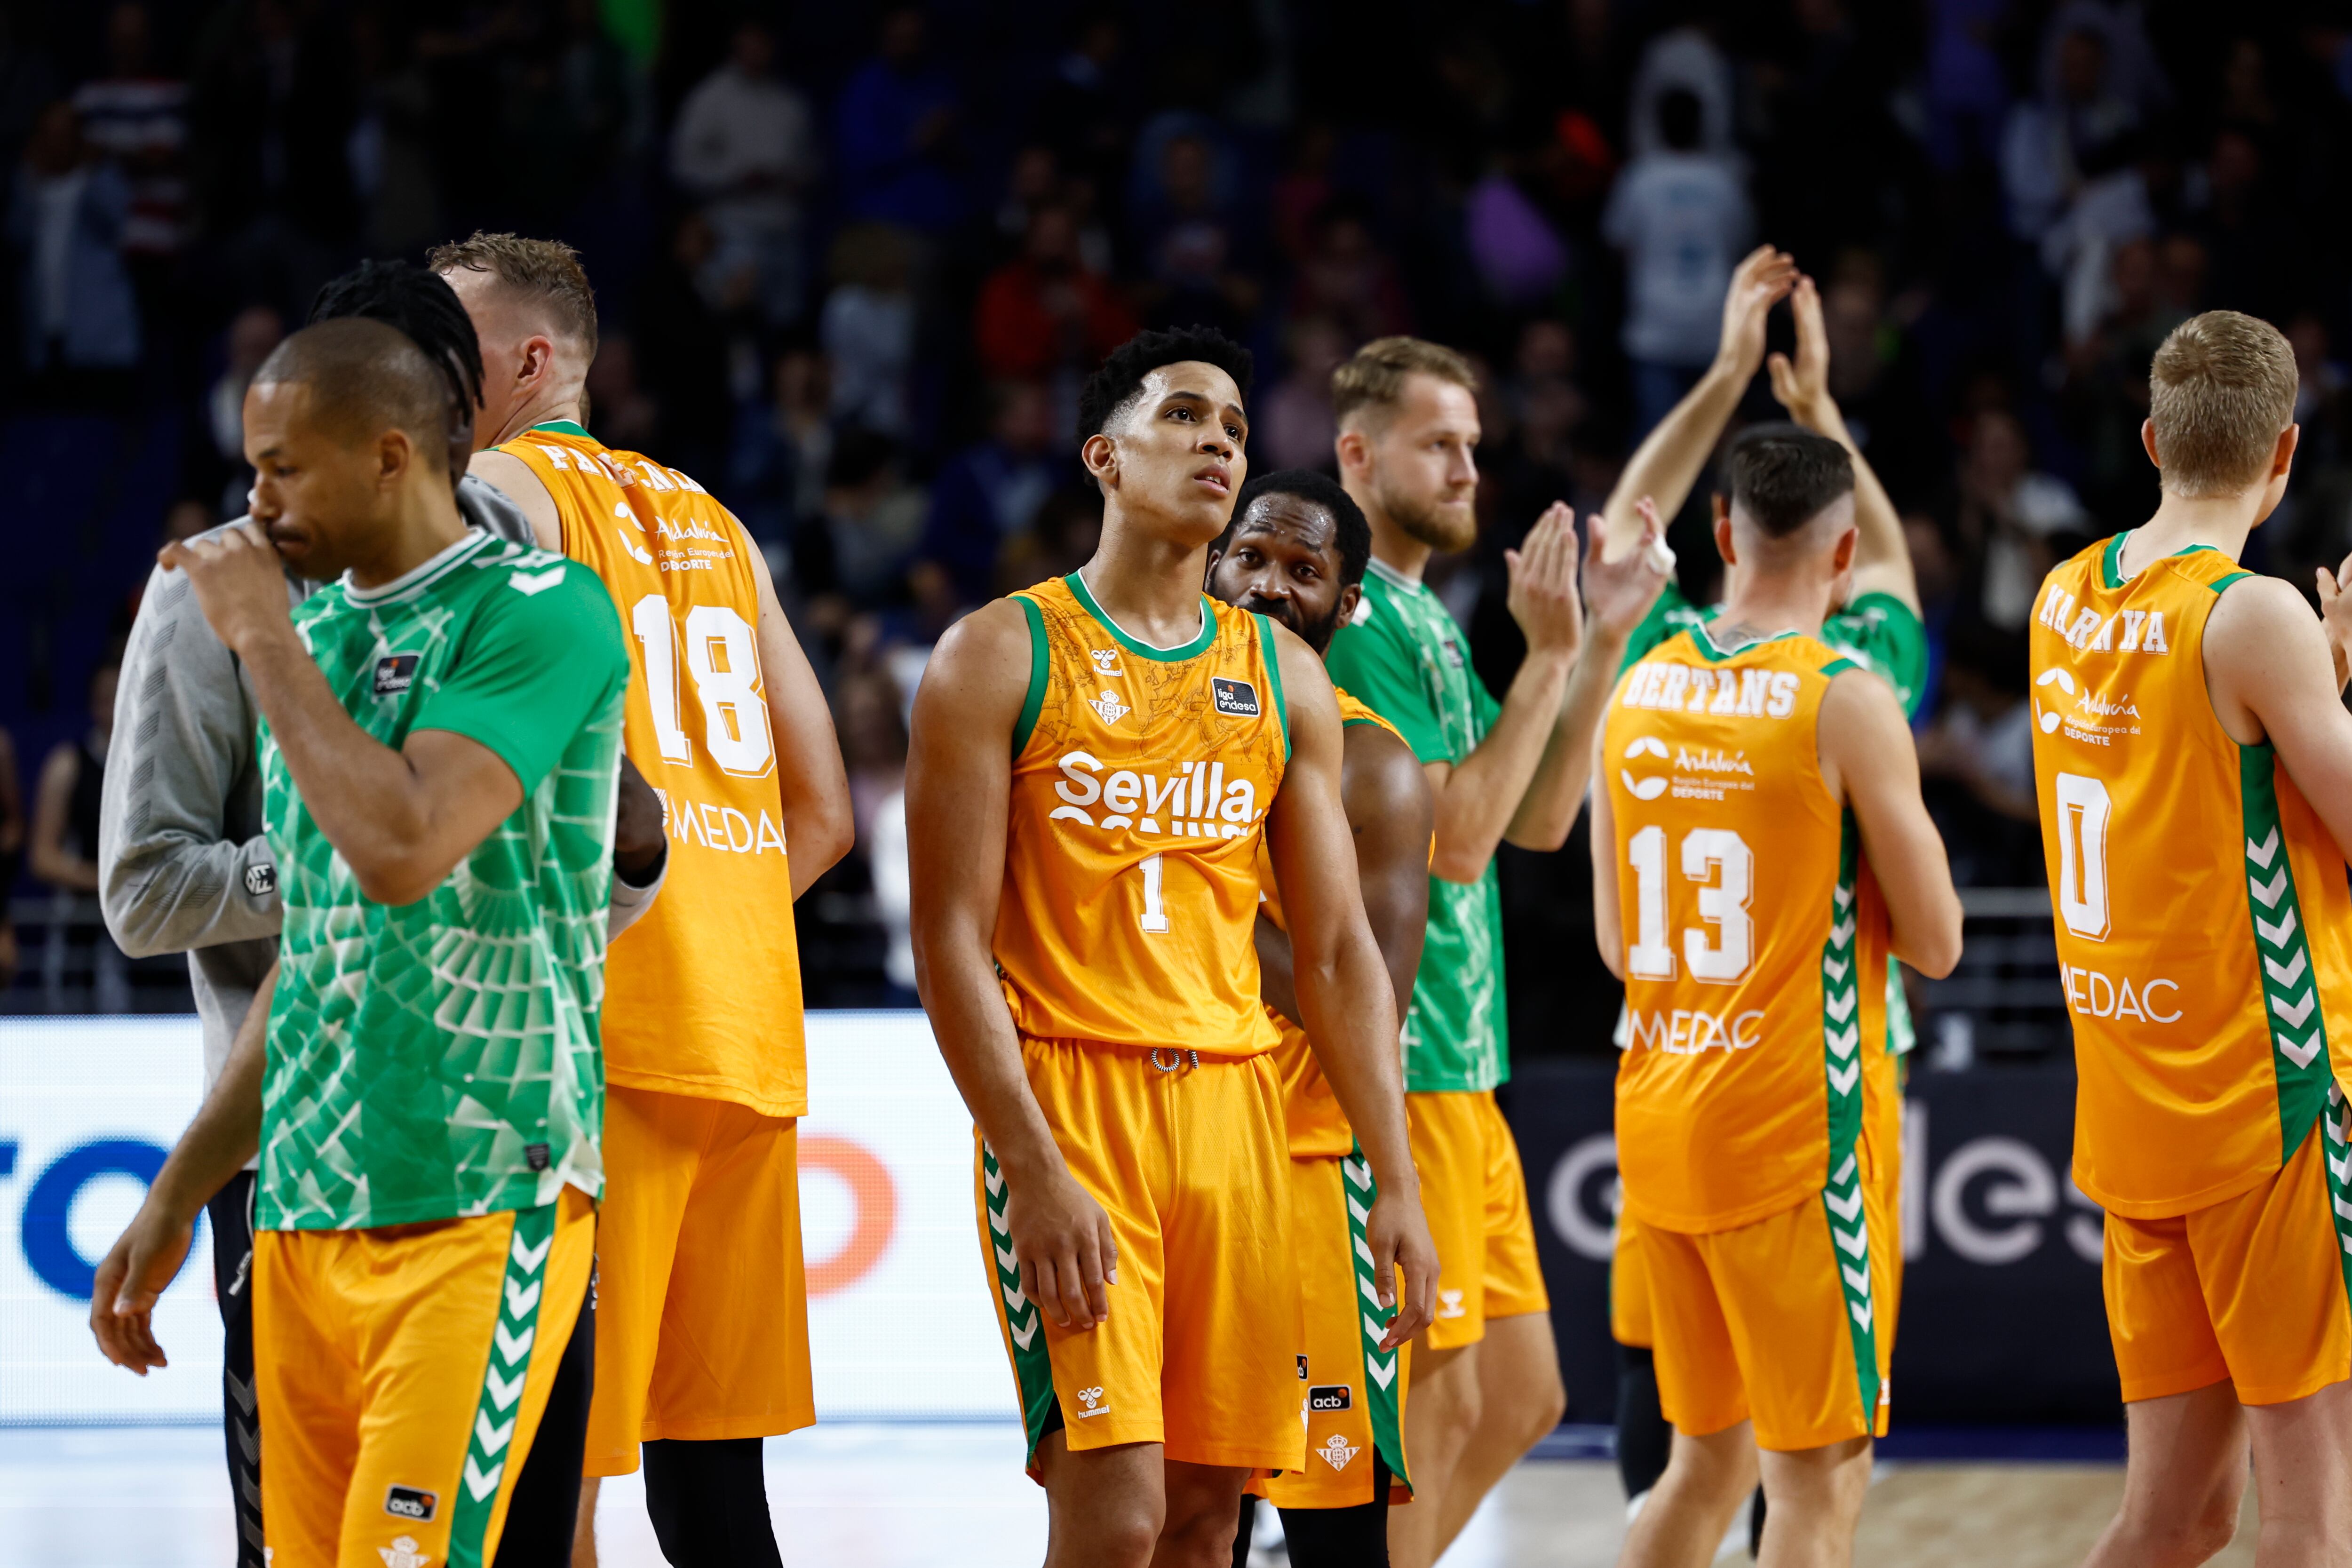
(1234, 699)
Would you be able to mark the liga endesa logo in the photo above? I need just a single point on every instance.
(873, 1211)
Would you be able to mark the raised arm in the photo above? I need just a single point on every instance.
(401, 819)
(1667, 463)
(1866, 753)
(810, 775)
(1344, 988)
(959, 793)
(1882, 557)
(2269, 669)
(147, 1256)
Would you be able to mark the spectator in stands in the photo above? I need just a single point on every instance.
(138, 116)
(873, 748)
(622, 413)
(893, 131)
(2054, 141)
(252, 333)
(744, 147)
(868, 327)
(1061, 539)
(986, 494)
(67, 223)
(857, 551)
(696, 303)
(1089, 108)
(1980, 746)
(1291, 424)
(1680, 215)
(1191, 237)
(1346, 276)
(1046, 316)
(2012, 519)
(63, 850)
(782, 446)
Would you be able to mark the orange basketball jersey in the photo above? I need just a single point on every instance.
(1755, 937)
(1140, 782)
(1310, 1112)
(702, 995)
(2204, 930)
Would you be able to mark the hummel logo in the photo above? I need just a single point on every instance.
(531, 584)
(1092, 1399)
(1335, 1452)
(1106, 660)
(1449, 1305)
(1109, 708)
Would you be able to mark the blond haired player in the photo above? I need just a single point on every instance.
(1875, 623)
(1760, 846)
(1486, 1382)
(701, 1320)
(1095, 763)
(2194, 764)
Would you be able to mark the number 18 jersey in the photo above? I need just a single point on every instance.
(2204, 931)
(1140, 782)
(703, 993)
(1755, 937)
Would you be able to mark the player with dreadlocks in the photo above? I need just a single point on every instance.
(183, 866)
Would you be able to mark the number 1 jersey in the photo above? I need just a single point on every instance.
(1755, 937)
(2204, 931)
(1141, 778)
(703, 993)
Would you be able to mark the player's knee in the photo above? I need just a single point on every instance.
(1202, 1535)
(1540, 1411)
(1124, 1537)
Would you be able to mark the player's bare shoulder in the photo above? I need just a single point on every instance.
(979, 675)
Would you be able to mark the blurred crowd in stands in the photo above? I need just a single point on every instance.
(854, 261)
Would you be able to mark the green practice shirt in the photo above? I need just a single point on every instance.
(440, 1060)
(1406, 657)
(1878, 632)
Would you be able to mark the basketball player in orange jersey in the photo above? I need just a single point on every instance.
(2194, 764)
(1094, 762)
(701, 1322)
(1760, 845)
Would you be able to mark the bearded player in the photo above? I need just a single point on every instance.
(1486, 1382)
(704, 1053)
(1095, 763)
(1759, 849)
(2193, 761)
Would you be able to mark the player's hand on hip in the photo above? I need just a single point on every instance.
(1618, 594)
(141, 1263)
(1405, 1265)
(1762, 279)
(240, 582)
(1542, 595)
(1062, 1244)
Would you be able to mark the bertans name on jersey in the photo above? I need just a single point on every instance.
(1195, 800)
(1719, 693)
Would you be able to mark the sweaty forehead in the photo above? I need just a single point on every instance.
(1195, 376)
(1294, 518)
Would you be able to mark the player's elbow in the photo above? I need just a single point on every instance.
(824, 836)
(1547, 837)
(1463, 863)
(1932, 945)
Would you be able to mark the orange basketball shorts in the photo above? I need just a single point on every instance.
(1788, 1322)
(701, 1306)
(2252, 1289)
(1200, 1351)
(402, 1373)
(1351, 1393)
(1476, 1197)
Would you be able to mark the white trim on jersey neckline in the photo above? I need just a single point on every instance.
(416, 576)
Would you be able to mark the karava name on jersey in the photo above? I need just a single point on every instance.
(2087, 631)
(1667, 686)
(1196, 799)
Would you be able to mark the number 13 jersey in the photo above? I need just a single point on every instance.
(1140, 782)
(703, 993)
(2204, 931)
(1755, 937)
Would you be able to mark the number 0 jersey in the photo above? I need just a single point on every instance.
(1310, 1112)
(703, 993)
(1755, 936)
(2204, 930)
(1140, 782)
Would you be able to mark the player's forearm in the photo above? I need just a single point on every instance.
(1547, 814)
(364, 796)
(227, 1127)
(1276, 986)
(818, 827)
(1878, 527)
(1667, 463)
(1351, 1025)
(1484, 795)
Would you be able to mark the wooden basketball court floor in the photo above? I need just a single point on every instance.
(900, 1497)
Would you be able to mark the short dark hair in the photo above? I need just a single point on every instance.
(1681, 118)
(1783, 475)
(422, 305)
(1115, 386)
(1352, 531)
(364, 375)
